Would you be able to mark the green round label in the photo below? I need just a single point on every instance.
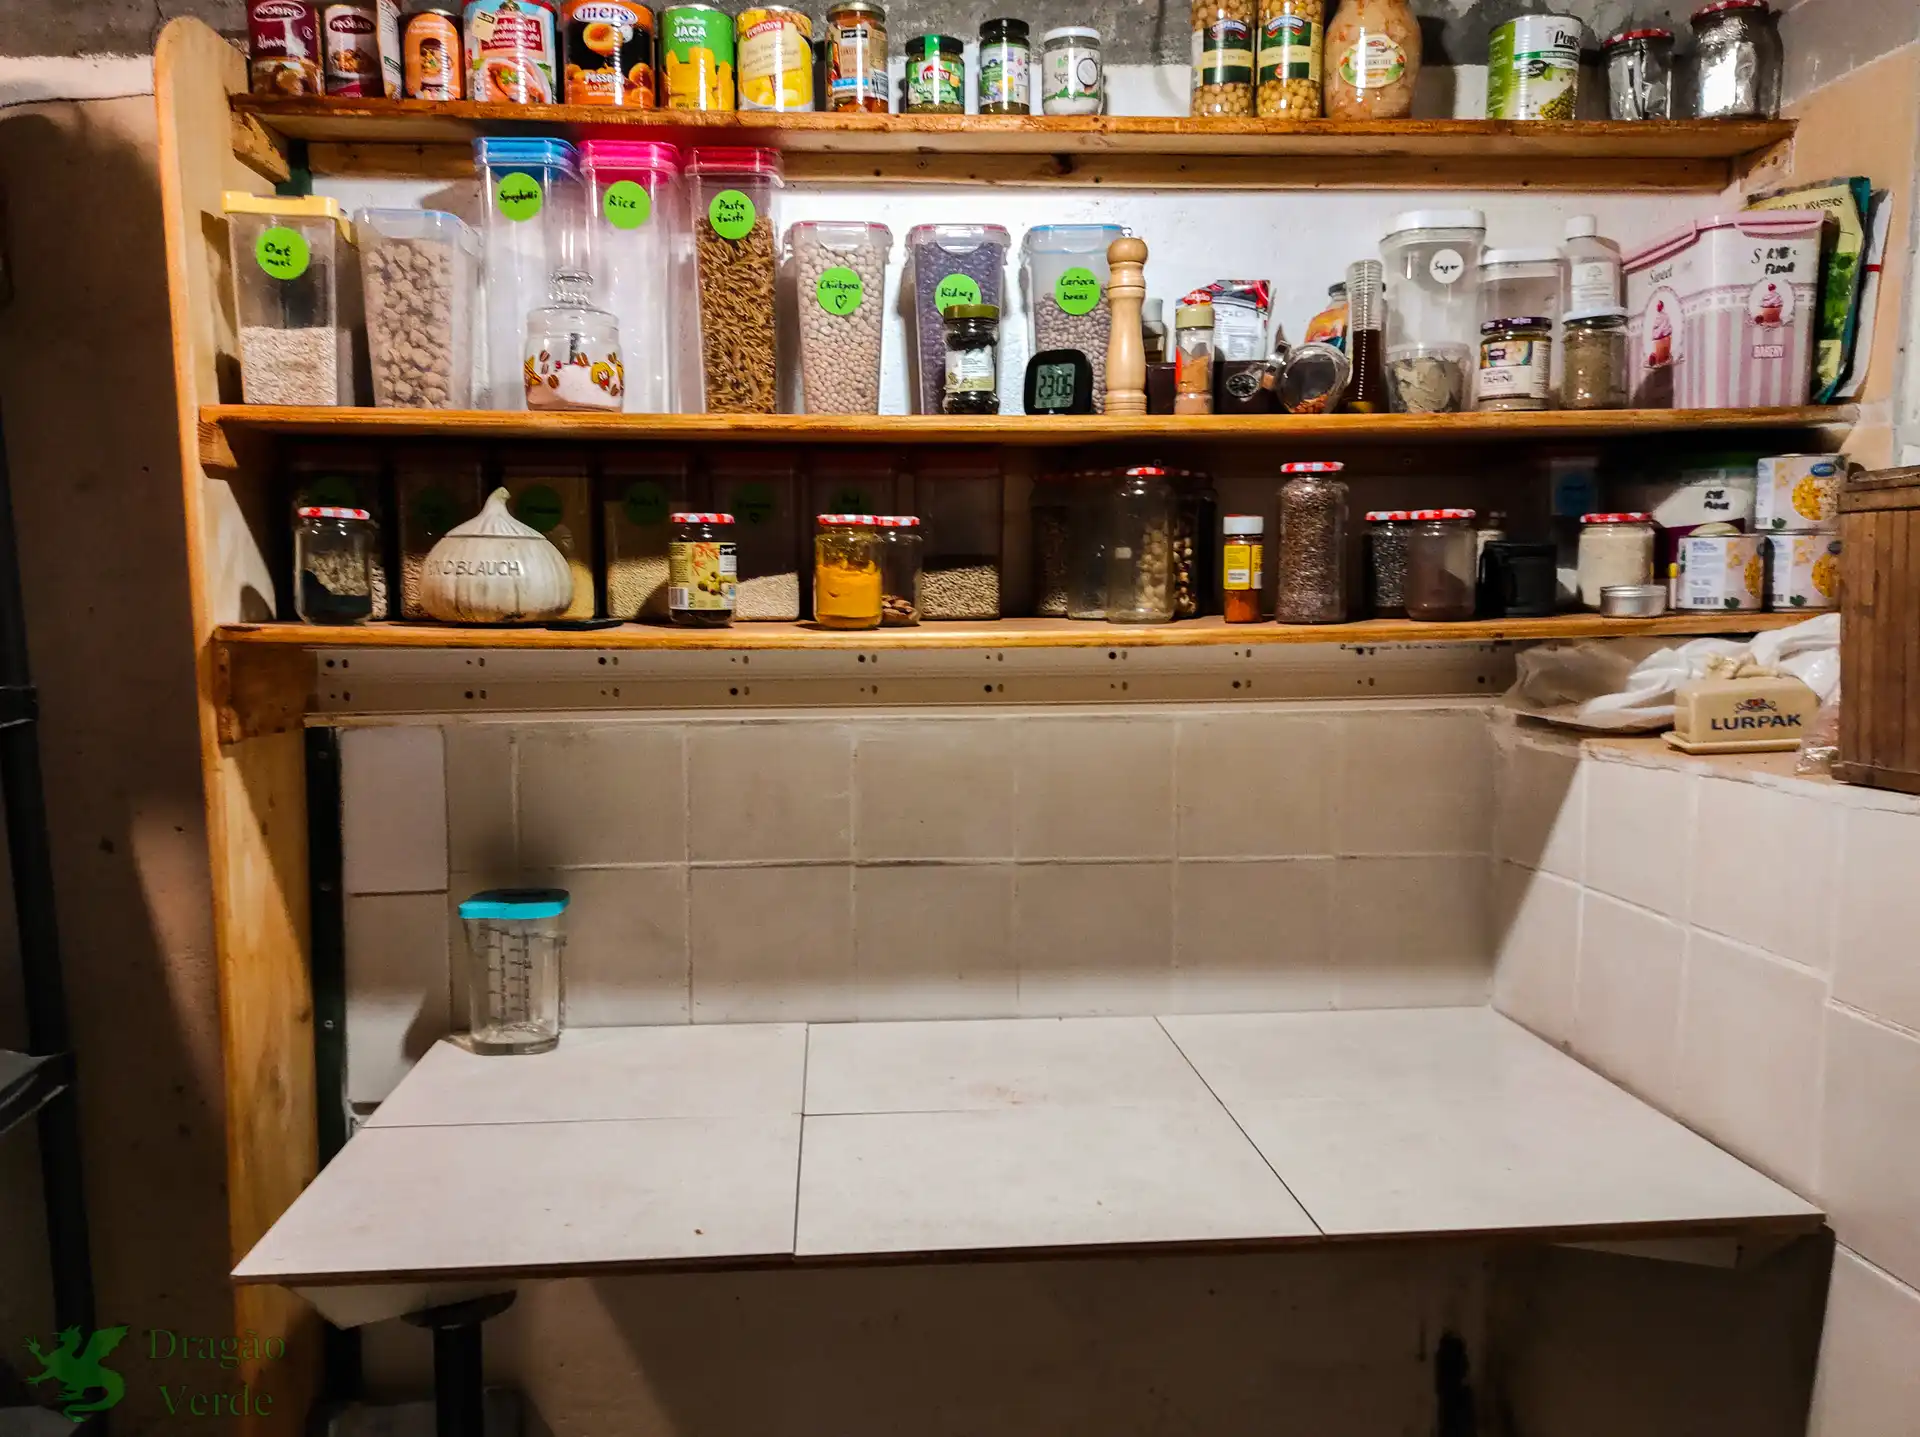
(519, 196)
(645, 504)
(282, 252)
(538, 505)
(1077, 291)
(731, 214)
(840, 290)
(626, 204)
(956, 289)
(753, 503)
(434, 511)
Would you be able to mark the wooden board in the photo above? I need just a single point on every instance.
(221, 426)
(1880, 636)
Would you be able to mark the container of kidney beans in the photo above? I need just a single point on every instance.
(283, 48)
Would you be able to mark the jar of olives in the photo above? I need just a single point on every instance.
(703, 570)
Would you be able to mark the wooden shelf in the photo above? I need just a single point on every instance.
(635, 1148)
(221, 425)
(1005, 634)
(1057, 149)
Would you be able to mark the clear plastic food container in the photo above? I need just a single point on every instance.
(296, 294)
(839, 273)
(1432, 264)
(735, 192)
(530, 191)
(516, 941)
(420, 273)
(960, 508)
(642, 257)
(1524, 281)
(948, 265)
(1067, 272)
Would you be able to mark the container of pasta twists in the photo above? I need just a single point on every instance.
(734, 194)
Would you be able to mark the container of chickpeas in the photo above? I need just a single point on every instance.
(1287, 67)
(1223, 57)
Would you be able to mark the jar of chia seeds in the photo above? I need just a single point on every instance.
(1387, 531)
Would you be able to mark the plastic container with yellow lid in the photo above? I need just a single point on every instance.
(296, 295)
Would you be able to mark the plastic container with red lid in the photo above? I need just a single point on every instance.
(735, 192)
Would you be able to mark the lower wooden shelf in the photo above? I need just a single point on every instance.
(632, 1148)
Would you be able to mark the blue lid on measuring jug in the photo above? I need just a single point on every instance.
(497, 151)
(523, 903)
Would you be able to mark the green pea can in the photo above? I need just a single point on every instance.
(1533, 68)
(696, 58)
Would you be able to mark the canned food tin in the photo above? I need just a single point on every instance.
(435, 64)
(1720, 572)
(1798, 493)
(696, 57)
(363, 48)
(1804, 572)
(775, 46)
(857, 57)
(609, 53)
(1533, 68)
(512, 51)
(283, 48)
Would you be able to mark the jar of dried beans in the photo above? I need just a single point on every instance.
(1140, 549)
(734, 194)
(1313, 545)
(899, 570)
(1442, 564)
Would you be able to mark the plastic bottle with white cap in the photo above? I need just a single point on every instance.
(1593, 267)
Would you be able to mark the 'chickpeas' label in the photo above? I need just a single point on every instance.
(840, 290)
(701, 574)
(1077, 291)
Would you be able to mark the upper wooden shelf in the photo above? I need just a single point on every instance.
(1099, 149)
(222, 425)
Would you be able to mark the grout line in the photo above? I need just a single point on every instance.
(800, 1149)
(1899, 1030)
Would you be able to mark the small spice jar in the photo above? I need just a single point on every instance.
(1193, 359)
(1737, 60)
(900, 566)
(1005, 68)
(973, 371)
(1313, 545)
(1615, 550)
(1387, 531)
(846, 571)
(1140, 549)
(1242, 557)
(1516, 364)
(703, 570)
(936, 76)
(333, 565)
(1441, 565)
(1640, 75)
(1072, 76)
(1594, 365)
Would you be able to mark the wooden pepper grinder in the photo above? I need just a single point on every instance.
(1126, 352)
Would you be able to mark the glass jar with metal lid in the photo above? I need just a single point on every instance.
(846, 571)
(333, 565)
(1005, 67)
(1442, 565)
(1387, 531)
(1516, 364)
(1640, 74)
(1593, 366)
(900, 565)
(1736, 61)
(1193, 359)
(1140, 549)
(857, 57)
(703, 570)
(973, 368)
(1616, 550)
(1072, 75)
(936, 76)
(1313, 545)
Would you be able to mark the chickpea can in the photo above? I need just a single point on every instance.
(609, 53)
(857, 57)
(435, 63)
(1291, 32)
(696, 57)
(775, 45)
(1223, 57)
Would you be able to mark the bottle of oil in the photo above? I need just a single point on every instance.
(1366, 345)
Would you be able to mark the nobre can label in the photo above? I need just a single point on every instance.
(283, 48)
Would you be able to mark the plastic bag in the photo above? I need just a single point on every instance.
(1821, 746)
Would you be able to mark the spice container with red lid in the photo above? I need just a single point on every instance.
(1242, 559)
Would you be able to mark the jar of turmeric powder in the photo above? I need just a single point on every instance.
(846, 572)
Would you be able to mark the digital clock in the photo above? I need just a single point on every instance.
(1059, 381)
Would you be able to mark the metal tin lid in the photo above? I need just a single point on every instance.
(1071, 32)
(1534, 255)
(897, 521)
(1518, 321)
(935, 45)
(1003, 27)
(849, 521)
(1436, 220)
(855, 7)
(1722, 7)
(520, 903)
(1313, 467)
(1629, 518)
(1435, 515)
(1388, 516)
(971, 311)
(1602, 311)
(700, 518)
(1652, 32)
(328, 511)
(1243, 524)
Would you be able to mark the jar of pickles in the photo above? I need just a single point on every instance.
(899, 569)
(846, 572)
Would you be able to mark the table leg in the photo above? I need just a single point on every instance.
(459, 1383)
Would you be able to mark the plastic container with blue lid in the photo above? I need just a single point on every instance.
(516, 939)
(530, 189)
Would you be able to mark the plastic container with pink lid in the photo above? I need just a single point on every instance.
(642, 247)
(1723, 315)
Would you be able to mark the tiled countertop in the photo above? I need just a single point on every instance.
(767, 1144)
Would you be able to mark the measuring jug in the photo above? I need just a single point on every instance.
(515, 940)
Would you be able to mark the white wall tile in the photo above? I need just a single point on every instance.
(1094, 788)
(1411, 932)
(1877, 922)
(393, 802)
(1413, 781)
(935, 941)
(1253, 937)
(1639, 843)
(1539, 807)
(481, 834)
(933, 789)
(772, 945)
(1627, 1008)
(1870, 1152)
(594, 794)
(626, 944)
(1763, 868)
(1254, 785)
(1869, 1380)
(397, 987)
(1751, 1034)
(1094, 938)
(1536, 939)
(776, 791)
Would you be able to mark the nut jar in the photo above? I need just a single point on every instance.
(839, 272)
(1140, 549)
(333, 565)
(735, 192)
(419, 271)
(704, 568)
(846, 572)
(899, 570)
(1616, 551)
(1287, 58)
(295, 288)
(1313, 545)
(1371, 61)
(1223, 57)
(1442, 565)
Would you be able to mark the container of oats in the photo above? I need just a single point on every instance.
(296, 291)
(734, 194)
(1799, 494)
